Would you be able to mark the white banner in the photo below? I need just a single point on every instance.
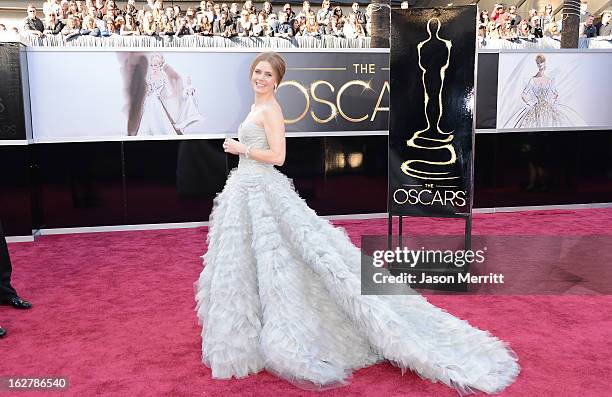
(554, 90)
(94, 94)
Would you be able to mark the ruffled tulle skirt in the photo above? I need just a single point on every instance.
(280, 291)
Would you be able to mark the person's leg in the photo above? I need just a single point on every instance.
(6, 289)
(8, 295)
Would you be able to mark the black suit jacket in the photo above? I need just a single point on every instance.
(6, 290)
(33, 24)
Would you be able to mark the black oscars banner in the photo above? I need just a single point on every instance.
(12, 125)
(431, 129)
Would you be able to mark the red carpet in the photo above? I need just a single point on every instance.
(115, 313)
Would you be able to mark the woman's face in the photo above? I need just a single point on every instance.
(156, 64)
(542, 66)
(263, 78)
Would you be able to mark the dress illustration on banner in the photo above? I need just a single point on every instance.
(156, 119)
(541, 104)
(190, 114)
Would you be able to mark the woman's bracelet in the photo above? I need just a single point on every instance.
(247, 153)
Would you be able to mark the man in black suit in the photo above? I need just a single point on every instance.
(8, 295)
(33, 25)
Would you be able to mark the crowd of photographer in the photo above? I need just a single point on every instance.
(505, 23)
(104, 18)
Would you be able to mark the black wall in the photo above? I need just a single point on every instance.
(116, 183)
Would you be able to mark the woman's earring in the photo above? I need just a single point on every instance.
(275, 87)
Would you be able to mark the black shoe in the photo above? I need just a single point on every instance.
(2, 332)
(16, 302)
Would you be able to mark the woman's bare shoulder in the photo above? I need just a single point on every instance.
(273, 111)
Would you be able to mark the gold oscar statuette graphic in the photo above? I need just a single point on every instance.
(432, 137)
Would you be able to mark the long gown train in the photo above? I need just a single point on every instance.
(280, 290)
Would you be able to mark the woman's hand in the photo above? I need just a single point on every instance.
(233, 146)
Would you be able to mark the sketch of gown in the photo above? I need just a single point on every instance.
(155, 117)
(541, 108)
(190, 113)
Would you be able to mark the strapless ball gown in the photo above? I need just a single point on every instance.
(155, 119)
(542, 109)
(280, 291)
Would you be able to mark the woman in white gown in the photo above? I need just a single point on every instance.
(280, 289)
(190, 113)
(156, 119)
(541, 104)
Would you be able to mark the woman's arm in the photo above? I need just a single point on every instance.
(274, 125)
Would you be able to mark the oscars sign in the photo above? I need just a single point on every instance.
(431, 129)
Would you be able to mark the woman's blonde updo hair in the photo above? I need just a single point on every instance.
(275, 60)
(540, 58)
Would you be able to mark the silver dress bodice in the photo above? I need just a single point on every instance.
(254, 136)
